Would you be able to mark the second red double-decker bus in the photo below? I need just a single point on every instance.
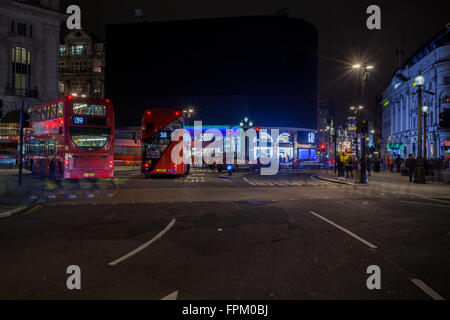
(157, 145)
(127, 146)
(72, 138)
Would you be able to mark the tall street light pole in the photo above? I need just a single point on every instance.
(364, 77)
(21, 142)
(420, 172)
(425, 114)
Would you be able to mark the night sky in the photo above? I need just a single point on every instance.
(344, 38)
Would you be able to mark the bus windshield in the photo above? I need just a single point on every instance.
(90, 139)
(89, 109)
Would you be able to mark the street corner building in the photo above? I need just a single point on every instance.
(400, 102)
(81, 65)
(29, 43)
(263, 67)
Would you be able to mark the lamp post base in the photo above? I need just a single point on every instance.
(420, 176)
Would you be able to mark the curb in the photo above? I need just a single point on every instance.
(335, 181)
(10, 213)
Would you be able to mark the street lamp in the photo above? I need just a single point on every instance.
(188, 113)
(425, 114)
(246, 124)
(419, 173)
(364, 68)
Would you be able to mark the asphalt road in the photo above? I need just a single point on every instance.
(291, 236)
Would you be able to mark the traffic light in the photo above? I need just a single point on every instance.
(444, 119)
(364, 127)
(26, 120)
(323, 147)
(291, 138)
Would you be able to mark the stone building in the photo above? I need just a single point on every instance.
(81, 65)
(29, 40)
(400, 101)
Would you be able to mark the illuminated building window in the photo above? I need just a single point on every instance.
(21, 69)
(78, 50)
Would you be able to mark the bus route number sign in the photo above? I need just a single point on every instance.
(79, 120)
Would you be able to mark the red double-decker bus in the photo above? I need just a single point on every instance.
(72, 138)
(127, 146)
(157, 145)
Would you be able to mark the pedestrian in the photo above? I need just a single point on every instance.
(391, 163)
(348, 163)
(411, 165)
(388, 165)
(368, 165)
(358, 171)
(398, 163)
(404, 169)
(340, 167)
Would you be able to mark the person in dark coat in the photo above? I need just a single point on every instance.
(398, 163)
(411, 164)
(340, 167)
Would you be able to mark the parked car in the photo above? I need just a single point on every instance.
(8, 159)
(308, 165)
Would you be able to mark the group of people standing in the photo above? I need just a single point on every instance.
(349, 167)
(400, 165)
(407, 166)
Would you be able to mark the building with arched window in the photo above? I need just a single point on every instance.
(400, 101)
(29, 41)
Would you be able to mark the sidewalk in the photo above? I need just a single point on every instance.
(383, 176)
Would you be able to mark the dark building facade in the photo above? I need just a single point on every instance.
(261, 67)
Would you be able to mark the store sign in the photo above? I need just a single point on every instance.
(306, 137)
(395, 146)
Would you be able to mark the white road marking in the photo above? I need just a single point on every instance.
(12, 212)
(437, 200)
(172, 296)
(426, 204)
(370, 245)
(145, 245)
(422, 285)
(251, 183)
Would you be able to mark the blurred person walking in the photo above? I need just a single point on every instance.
(411, 165)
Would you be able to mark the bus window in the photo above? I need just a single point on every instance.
(89, 109)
